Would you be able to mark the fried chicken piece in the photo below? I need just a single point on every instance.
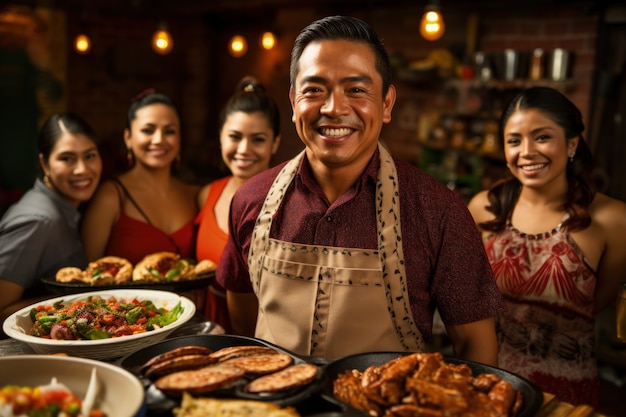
(347, 388)
(430, 395)
(412, 410)
(385, 384)
(502, 397)
(484, 382)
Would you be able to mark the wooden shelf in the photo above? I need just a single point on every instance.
(519, 84)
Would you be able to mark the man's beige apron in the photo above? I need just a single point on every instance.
(328, 301)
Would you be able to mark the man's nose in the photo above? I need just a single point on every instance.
(335, 104)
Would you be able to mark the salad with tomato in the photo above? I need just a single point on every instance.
(99, 318)
(54, 400)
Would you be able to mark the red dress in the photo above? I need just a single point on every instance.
(133, 239)
(210, 245)
(547, 334)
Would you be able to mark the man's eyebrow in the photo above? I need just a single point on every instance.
(313, 79)
(353, 78)
(357, 78)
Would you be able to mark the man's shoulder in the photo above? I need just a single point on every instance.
(418, 182)
(258, 185)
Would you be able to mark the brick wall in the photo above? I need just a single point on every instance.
(200, 75)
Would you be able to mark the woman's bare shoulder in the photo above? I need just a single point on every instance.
(107, 192)
(478, 207)
(203, 194)
(608, 212)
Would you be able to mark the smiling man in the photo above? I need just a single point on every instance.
(345, 249)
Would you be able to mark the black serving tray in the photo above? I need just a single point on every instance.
(533, 396)
(62, 288)
(159, 404)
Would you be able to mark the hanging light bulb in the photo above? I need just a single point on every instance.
(268, 40)
(82, 44)
(432, 26)
(238, 46)
(162, 41)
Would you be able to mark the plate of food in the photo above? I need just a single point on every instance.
(423, 384)
(220, 367)
(165, 271)
(103, 324)
(69, 383)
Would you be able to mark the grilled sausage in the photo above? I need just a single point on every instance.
(289, 378)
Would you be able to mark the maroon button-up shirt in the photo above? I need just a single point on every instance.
(445, 260)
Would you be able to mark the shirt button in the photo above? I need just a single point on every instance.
(329, 218)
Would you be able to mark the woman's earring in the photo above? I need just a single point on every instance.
(46, 180)
(571, 157)
(129, 157)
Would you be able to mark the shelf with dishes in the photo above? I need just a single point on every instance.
(515, 84)
(462, 151)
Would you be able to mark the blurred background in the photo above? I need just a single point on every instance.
(92, 57)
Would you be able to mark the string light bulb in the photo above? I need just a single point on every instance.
(82, 44)
(162, 41)
(432, 25)
(238, 46)
(268, 40)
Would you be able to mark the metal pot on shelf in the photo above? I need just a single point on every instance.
(511, 64)
(559, 64)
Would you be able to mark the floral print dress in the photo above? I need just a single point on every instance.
(547, 334)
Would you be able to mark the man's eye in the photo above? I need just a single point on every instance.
(312, 90)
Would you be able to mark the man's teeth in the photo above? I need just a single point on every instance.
(336, 132)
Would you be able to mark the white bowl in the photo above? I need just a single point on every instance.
(120, 393)
(18, 325)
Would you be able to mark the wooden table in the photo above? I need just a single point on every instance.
(554, 408)
(551, 406)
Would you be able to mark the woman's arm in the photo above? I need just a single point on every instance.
(11, 300)
(611, 272)
(202, 195)
(475, 341)
(477, 207)
(102, 213)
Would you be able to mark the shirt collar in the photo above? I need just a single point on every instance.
(69, 212)
(369, 176)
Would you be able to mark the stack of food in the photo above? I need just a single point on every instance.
(423, 384)
(200, 370)
(155, 267)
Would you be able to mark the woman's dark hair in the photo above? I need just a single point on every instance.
(341, 28)
(581, 191)
(147, 98)
(250, 97)
(54, 127)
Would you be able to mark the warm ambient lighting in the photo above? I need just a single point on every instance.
(268, 40)
(238, 46)
(82, 44)
(162, 42)
(432, 26)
